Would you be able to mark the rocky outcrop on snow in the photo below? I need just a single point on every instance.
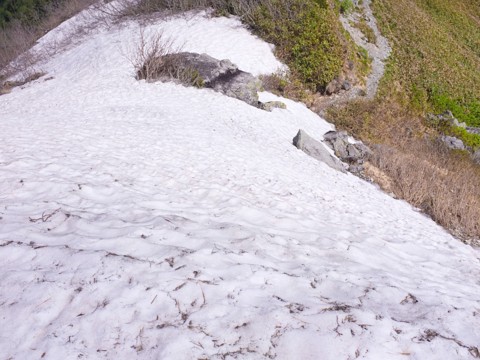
(317, 150)
(352, 152)
(202, 70)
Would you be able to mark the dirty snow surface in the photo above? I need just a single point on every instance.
(155, 221)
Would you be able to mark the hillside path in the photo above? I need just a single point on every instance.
(378, 51)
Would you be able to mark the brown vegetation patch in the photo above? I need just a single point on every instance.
(411, 164)
(7, 86)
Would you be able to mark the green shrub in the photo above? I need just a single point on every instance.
(346, 6)
(469, 139)
(366, 30)
(364, 60)
(307, 38)
(467, 111)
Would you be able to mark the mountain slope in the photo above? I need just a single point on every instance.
(158, 221)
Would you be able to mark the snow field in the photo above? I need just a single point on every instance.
(163, 222)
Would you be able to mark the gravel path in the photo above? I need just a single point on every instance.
(379, 52)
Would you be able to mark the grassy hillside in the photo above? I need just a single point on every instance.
(436, 53)
(434, 66)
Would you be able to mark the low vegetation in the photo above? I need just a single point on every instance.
(413, 165)
(366, 30)
(436, 52)
(434, 67)
(308, 38)
(23, 22)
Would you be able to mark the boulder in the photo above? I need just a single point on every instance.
(239, 85)
(202, 70)
(344, 149)
(317, 150)
(352, 153)
(208, 68)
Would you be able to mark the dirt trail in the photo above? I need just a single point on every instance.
(378, 51)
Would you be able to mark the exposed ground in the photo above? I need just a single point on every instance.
(379, 52)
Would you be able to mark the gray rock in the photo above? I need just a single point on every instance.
(473, 130)
(239, 85)
(476, 156)
(338, 142)
(316, 150)
(334, 86)
(356, 169)
(459, 124)
(208, 68)
(203, 70)
(452, 142)
(346, 85)
(445, 118)
(351, 153)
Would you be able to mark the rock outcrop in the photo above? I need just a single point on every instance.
(353, 153)
(202, 70)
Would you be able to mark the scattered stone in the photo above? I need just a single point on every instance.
(445, 118)
(270, 105)
(473, 130)
(459, 124)
(337, 84)
(346, 85)
(317, 150)
(332, 87)
(452, 142)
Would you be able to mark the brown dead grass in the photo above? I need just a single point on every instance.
(409, 163)
(7, 86)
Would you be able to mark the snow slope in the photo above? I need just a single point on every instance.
(156, 221)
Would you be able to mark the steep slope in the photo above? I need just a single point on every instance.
(158, 221)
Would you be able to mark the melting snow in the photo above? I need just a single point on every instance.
(163, 222)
